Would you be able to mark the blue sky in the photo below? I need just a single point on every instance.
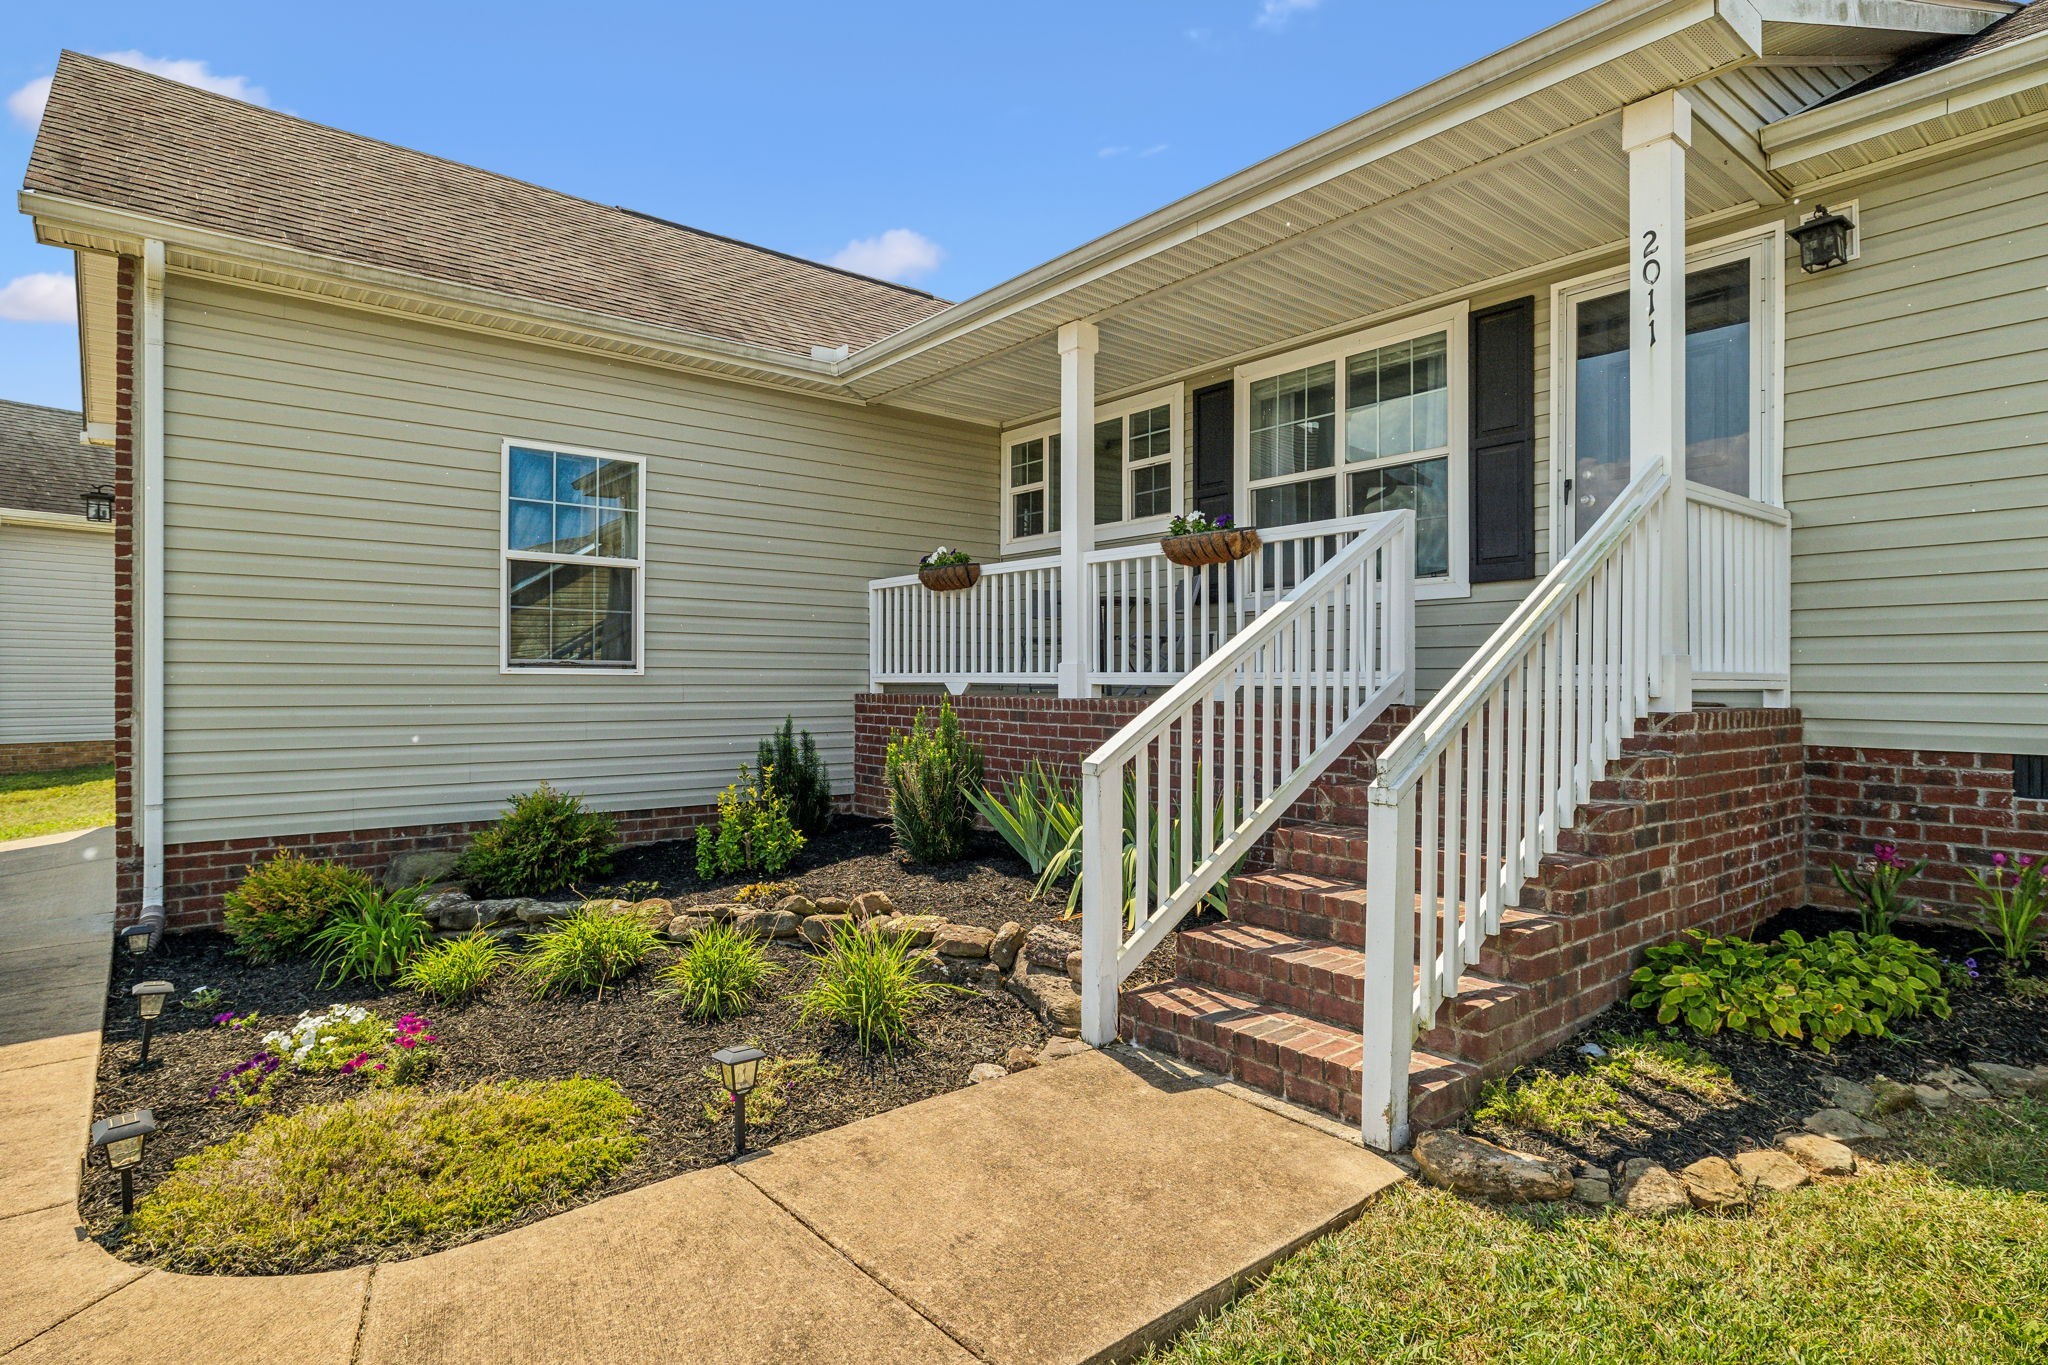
(951, 145)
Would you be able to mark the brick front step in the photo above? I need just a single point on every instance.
(1326, 850)
(1301, 903)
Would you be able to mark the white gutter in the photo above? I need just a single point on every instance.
(148, 418)
(54, 521)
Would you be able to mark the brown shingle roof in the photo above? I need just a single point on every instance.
(129, 140)
(2022, 23)
(43, 468)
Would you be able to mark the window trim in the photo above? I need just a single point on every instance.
(506, 554)
(1767, 245)
(1172, 398)
(1452, 320)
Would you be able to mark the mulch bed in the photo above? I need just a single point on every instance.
(630, 1035)
(1780, 1085)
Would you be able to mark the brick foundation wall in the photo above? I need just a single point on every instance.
(1012, 731)
(45, 756)
(1954, 809)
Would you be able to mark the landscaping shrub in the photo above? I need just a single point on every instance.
(333, 1183)
(719, 973)
(1876, 887)
(2012, 908)
(1036, 813)
(867, 982)
(768, 1101)
(456, 970)
(934, 773)
(283, 902)
(594, 946)
(370, 936)
(1571, 1106)
(790, 764)
(544, 841)
(753, 832)
(1818, 992)
(1067, 861)
(764, 893)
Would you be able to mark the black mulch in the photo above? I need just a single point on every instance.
(1780, 1085)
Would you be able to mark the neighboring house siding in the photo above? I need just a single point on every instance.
(56, 635)
(332, 584)
(1917, 471)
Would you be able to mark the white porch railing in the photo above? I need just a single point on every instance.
(1154, 620)
(1739, 564)
(1183, 792)
(1476, 789)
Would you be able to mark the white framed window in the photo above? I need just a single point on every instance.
(1733, 325)
(1371, 422)
(1137, 468)
(572, 560)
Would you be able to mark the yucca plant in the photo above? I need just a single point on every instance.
(719, 974)
(456, 971)
(1036, 814)
(371, 937)
(1067, 862)
(868, 982)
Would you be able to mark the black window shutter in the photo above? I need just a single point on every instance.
(1215, 435)
(1503, 442)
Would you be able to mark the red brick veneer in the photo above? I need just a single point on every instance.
(45, 755)
(1954, 809)
(1012, 731)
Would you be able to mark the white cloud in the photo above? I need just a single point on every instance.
(1276, 13)
(26, 104)
(898, 254)
(1155, 149)
(41, 297)
(1107, 152)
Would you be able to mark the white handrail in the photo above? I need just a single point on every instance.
(1739, 566)
(1475, 791)
(1189, 786)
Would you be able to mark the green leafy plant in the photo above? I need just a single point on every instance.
(1068, 861)
(789, 763)
(868, 982)
(753, 832)
(206, 998)
(455, 971)
(1818, 992)
(1571, 1105)
(1197, 523)
(942, 558)
(332, 1183)
(594, 946)
(933, 772)
(544, 841)
(2012, 907)
(283, 902)
(763, 893)
(719, 973)
(1036, 814)
(371, 937)
(768, 1101)
(1667, 1062)
(1876, 886)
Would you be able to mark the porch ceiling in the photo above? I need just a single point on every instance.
(1444, 195)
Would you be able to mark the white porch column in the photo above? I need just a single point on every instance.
(1078, 344)
(1655, 133)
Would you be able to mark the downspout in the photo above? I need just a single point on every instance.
(149, 480)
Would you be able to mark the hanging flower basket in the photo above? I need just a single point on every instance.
(1200, 548)
(949, 577)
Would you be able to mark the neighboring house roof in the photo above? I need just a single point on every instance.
(2023, 23)
(43, 466)
(124, 139)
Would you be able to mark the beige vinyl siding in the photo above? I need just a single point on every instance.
(333, 583)
(56, 634)
(1917, 464)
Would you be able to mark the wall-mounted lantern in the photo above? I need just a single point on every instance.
(99, 502)
(1823, 238)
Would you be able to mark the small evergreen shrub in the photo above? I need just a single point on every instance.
(593, 947)
(753, 832)
(333, 1183)
(371, 937)
(1818, 992)
(934, 773)
(283, 902)
(868, 982)
(789, 763)
(544, 841)
(719, 973)
(456, 970)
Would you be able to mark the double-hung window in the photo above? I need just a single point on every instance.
(573, 559)
(1136, 471)
(1369, 423)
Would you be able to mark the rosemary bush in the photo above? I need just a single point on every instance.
(934, 773)
(544, 841)
(284, 902)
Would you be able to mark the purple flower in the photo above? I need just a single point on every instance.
(1998, 860)
(228, 1017)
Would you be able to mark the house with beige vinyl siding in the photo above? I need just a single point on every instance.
(56, 592)
(1643, 430)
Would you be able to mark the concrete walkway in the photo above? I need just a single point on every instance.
(1069, 1213)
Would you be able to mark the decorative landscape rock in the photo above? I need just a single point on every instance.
(985, 1071)
(1843, 1126)
(1891, 1097)
(962, 940)
(833, 905)
(1715, 1185)
(1003, 948)
(1821, 1155)
(1655, 1192)
(1930, 1097)
(1056, 1048)
(534, 912)
(1958, 1083)
(1469, 1165)
(1020, 1059)
(873, 905)
(1074, 966)
(1768, 1172)
(421, 865)
(2011, 1080)
(767, 923)
(1848, 1095)
(817, 929)
(1593, 1188)
(1053, 997)
(800, 905)
(917, 930)
(654, 911)
(1045, 946)
(683, 928)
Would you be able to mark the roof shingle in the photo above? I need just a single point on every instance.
(129, 140)
(2021, 23)
(43, 468)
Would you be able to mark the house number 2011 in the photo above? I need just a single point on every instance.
(1652, 271)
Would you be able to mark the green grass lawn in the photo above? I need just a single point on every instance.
(1944, 1259)
(53, 802)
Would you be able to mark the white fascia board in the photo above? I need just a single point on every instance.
(1934, 18)
(53, 521)
(1936, 94)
